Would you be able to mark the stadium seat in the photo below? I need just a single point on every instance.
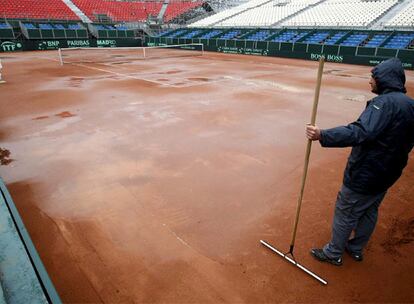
(376, 40)
(4, 26)
(191, 34)
(355, 39)
(345, 13)
(230, 34)
(211, 34)
(260, 35)
(331, 40)
(216, 18)
(119, 10)
(404, 19)
(289, 36)
(267, 14)
(175, 34)
(176, 8)
(29, 26)
(316, 37)
(39, 9)
(400, 41)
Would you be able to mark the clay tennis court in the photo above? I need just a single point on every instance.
(152, 181)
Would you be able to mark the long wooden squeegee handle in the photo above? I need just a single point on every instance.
(308, 151)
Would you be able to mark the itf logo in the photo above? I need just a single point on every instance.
(9, 46)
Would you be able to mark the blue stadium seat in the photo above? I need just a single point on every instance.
(355, 39)
(400, 41)
(30, 26)
(164, 33)
(335, 38)
(191, 34)
(230, 35)
(74, 27)
(316, 38)
(211, 34)
(176, 34)
(299, 36)
(284, 37)
(45, 26)
(260, 35)
(4, 26)
(376, 40)
(59, 26)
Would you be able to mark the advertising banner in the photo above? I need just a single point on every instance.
(36, 45)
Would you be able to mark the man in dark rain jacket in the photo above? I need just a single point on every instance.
(381, 140)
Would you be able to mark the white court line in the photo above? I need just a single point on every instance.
(224, 79)
(141, 78)
(110, 72)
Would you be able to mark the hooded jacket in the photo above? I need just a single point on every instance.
(382, 137)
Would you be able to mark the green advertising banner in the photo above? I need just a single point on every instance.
(35, 45)
(10, 46)
(335, 53)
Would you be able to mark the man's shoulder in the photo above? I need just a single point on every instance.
(391, 99)
(380, 101)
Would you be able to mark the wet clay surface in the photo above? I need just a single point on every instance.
(153, 181)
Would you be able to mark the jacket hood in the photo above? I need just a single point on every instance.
(389, 76)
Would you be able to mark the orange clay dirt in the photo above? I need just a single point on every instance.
(152, 181)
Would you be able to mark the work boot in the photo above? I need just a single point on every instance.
(322, 257)
(357, 257)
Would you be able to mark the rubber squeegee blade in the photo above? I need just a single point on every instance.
(294, 263)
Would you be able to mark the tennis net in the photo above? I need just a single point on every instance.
(127, 54)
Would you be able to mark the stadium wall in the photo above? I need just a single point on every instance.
(10, 45)
(332, 53)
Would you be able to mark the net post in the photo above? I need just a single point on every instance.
(202, 49)
(1, 67)
(60, 56)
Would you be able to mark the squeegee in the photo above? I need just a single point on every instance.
(289, 255)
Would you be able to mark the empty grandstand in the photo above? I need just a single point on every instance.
(268, 14)
(304, 13)
(226, 14)
(39, 9)
(344, 13)
(403, 19)
(119, 10)
(345, 31)
(96, 10)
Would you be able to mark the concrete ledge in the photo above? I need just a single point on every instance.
(22, 274)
